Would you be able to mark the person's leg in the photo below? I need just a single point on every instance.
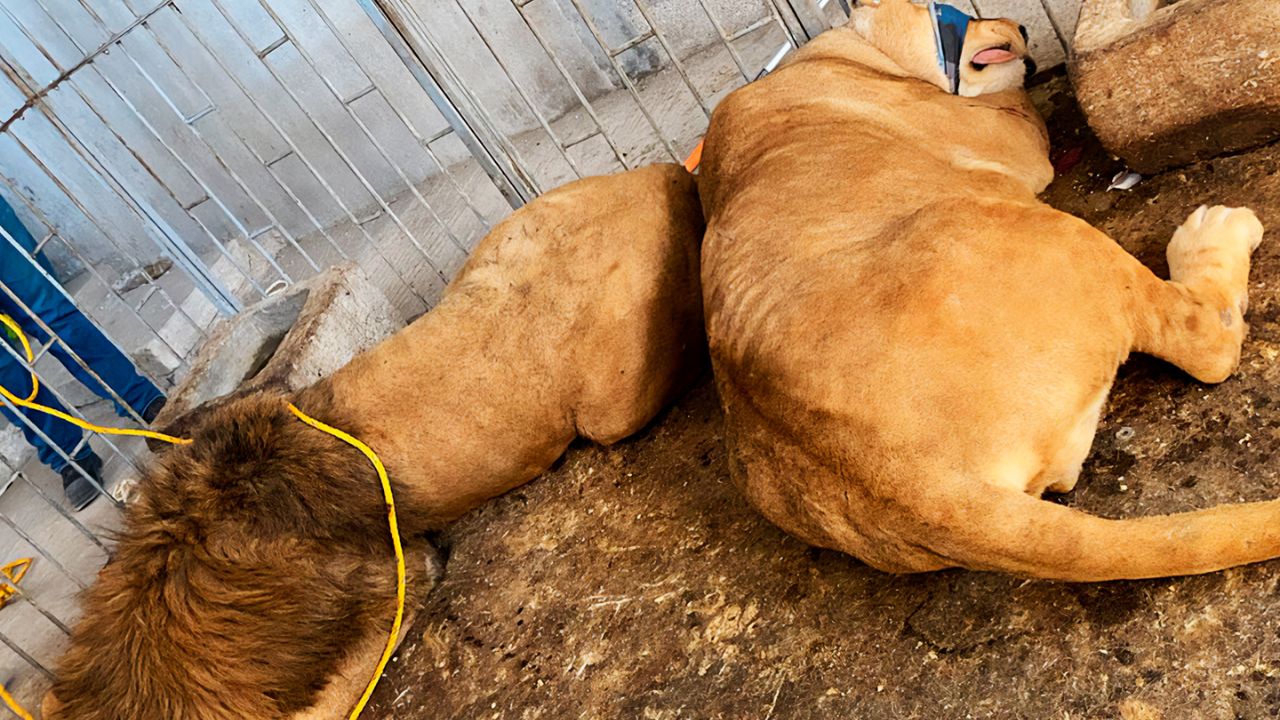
(64, 436)
(51, 304)
(15, 378)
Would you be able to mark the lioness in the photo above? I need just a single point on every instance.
(254, 577)
(909, 346)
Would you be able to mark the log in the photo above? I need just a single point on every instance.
(1167, 86)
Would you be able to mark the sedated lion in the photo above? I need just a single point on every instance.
(909, 346)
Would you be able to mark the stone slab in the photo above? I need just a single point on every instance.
(287, 340)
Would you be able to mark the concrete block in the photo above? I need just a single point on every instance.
(1167, 86)
(287, 341)
(344, 315)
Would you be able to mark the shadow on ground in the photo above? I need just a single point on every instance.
(635, 582)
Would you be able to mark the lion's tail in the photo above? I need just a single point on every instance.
(1017, 533)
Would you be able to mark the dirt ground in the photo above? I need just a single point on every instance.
(635, 582)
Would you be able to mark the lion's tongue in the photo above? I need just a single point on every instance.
(993, 56)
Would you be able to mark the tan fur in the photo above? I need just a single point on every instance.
(254, 578)
(910, 347)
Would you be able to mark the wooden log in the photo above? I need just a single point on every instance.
(1168, 86)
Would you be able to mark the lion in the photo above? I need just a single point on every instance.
(254, 576)
(909, 346)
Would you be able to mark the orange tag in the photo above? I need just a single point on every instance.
(695, 158)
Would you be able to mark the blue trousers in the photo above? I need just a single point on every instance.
(19, 273)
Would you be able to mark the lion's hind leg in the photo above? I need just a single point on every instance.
(1196, 319)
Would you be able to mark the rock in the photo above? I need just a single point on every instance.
(1169, 86)
(288, 340)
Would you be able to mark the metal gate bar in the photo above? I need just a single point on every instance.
(382, 152)
(71, 83)
(53, 336)
(54, 504)
(294, 150)
(168, 238)
(382, 203)
(654, 31)
(93, 271)
(270, 164)
(251, 237)
(641, 6)
(433, 71)
(542, 120)
(424, 142)
(626, 79)
(573, 86)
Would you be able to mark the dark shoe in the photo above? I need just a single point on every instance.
(153, 410)
(80, 492)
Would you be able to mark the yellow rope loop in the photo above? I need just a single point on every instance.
(15, 570)
(395, 543)
(31, 357)
(35, 388)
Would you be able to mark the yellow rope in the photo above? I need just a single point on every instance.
(35, 388)
(395, 543)
(13, 572)
(350, 440)
(13, 705)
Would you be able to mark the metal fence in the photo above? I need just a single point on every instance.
(178, 160)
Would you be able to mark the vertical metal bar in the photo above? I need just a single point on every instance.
(724, 40)
(54, 336)
(24, 595)
(296, 151)
(190, 122)
(626, 80)
(400, 25)
(9, 643)
(71, 461)
(57, 507)
(790, 28)
(235, 177)
(168, 51)
(70, 82)
(671, 53)
(217, 4)
(70, 458)
(790, 22)
(728, 42)
(573, 85)
(372, 138)
(13, 188)
(528, 101)
(810, 19)
(422, 140)
(26, 537)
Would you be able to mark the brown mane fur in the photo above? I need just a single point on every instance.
(238, 577)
